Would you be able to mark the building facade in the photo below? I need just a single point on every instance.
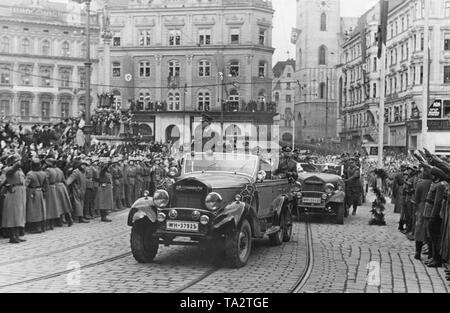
(283, 93)
(404, 79)
(179, 59)
(42, 55)
(317, 38)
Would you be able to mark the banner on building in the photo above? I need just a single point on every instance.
(435, 109)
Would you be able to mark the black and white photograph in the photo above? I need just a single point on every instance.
(224, 151)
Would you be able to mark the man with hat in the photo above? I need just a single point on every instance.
(287, 167)
(131, 177)
(431, 214)
(353, 187)
(397, 193)
(77, 182)
(14, 204)
(116, 174)
(37, 182)
(91, 189)
(104, 200)
(52, 203)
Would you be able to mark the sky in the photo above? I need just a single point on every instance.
(284, 21)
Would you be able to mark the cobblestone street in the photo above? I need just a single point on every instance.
(341, 257)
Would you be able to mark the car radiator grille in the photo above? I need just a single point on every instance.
(313, 187)
(189, 200)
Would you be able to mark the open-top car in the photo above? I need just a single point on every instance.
(221, 200)
(322, 191)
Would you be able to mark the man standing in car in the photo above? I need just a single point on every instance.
(287, 167)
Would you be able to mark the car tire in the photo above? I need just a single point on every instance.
(276, 239)
(288, 220)
(340, 214)
(238, 245)
(144, 246)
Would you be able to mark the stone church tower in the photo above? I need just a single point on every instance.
(317, 36)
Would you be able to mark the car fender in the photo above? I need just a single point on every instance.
(337, 197)
(144, 205)
(278, 205)
(232, 212)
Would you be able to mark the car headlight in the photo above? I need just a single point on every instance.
(161, 217)
(161, 198)
(204, 220)
(329, 188)
(297, 187)
(213, 201)
(324, 196)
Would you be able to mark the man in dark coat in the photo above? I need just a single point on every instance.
(37, 184)
(353, 187)
(287, 168)
(420, 197)
(397, 194)
(77, 182)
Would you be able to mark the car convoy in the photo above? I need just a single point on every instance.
(222, 201)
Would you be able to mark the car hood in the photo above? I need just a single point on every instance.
(219, 180)
(327, 178)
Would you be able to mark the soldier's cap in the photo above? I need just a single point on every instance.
(286, 149)
(438, 173)
(50, 161)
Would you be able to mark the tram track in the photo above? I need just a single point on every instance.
(304, 276)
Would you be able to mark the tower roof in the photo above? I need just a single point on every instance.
(278, 69)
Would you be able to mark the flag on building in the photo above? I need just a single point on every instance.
(382, 28)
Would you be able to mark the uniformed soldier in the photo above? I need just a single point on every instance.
(139, 179)
(287, 168)
(131, 176)
(77, 182)
(352, 187)
(104, 200)
(91, 190)
(37, 182)
(116, 174)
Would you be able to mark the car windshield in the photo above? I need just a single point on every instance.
(238, 163)
(322, 168)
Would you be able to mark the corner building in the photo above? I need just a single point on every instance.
(180, 58)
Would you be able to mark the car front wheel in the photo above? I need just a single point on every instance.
(144, 246)
(287, 230)
(340, 214)
(238, 245)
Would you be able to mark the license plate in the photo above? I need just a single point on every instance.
(312, 200)
(183, 226)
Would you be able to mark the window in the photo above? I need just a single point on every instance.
(45, 109)
(46, 47)
(447, 42)
(288, 75)
(323, 22)
(5, 74)
(234, 99)
(26, 46)
(421, 74)
(64, 76)
(277, 97)
(234, 68)
(174, 101)
(25, 109)
(288, 85)
(235, 32)
(65, 106)
(447, 9)
(374, 86)
(116, 39)
(82, 77)
(174, 68)
(374, 64)
(288, 98)
(174, 38)
(204, 100)
(116, 69)
(25, 74)
(421, 42)
(65, 49)
(4, 107)
(322, 54)
(45, 73)
(83, 50)
(262, 36)
(322, 90)
(144, 38)
(117, 99)
(446, 74)
(204, 68)
(144, 69)
(4, 45)
(262, 97)
(204, 37)
(406, 81)
(262, 69)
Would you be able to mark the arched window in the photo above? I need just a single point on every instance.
(204, 100)
(262, 97)
(322, 55)
(170, 100)
(26, 46)
(46, 47)
(204, 68)
(323, 22)
(65, 49)
(277, 97)
(322, 91)
(174, 101)
(4, 45)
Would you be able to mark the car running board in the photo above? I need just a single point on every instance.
(272, 230)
